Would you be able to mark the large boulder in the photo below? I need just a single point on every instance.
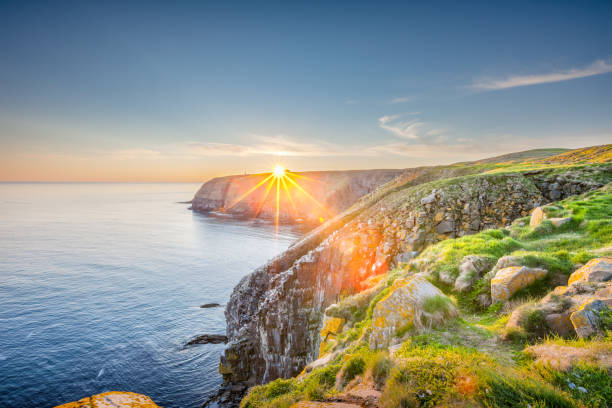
(596, 270)
(113, 399)
(402, 307)
(509, 280)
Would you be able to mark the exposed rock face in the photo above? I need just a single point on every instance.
(402, 307)
(335, 190)
(113, 399)
(275, 314)
(510, 280)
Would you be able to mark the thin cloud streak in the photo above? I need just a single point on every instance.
(404, 129)
(596, 68)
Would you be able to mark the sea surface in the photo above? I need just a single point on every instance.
(100, 287)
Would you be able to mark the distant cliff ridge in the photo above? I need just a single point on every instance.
(321, 195)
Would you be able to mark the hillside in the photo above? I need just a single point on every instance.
(438, 266)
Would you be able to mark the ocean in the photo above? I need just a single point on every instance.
(100, 288)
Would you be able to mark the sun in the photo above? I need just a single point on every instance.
(279, 170)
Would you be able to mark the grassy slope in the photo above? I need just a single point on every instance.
(464, 362)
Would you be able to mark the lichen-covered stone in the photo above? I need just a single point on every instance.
(587, 319)
(596, 270)
(402, 307)
(510, 280)
(113, 399)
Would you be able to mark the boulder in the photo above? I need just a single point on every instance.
(509, 280)
(587, 319)
(537, 216)
(471, 269)
(596, 270)
(113, 399)
(402, 307)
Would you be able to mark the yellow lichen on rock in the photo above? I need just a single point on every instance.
(332, 327)
(509, 280)
(113, 399)
(402, 307)
(596, 270)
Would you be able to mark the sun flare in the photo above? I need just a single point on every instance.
(279, 170)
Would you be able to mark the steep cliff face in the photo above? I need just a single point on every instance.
(274, 314)
(331, 192)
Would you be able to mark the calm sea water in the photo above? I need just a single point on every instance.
(100, 287)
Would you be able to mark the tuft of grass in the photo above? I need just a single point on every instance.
(499, 390)
(353, 367)
(378, 367)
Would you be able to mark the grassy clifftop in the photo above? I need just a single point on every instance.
(494, 353)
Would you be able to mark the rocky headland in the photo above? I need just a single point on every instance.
(432, 252)
(334, 191)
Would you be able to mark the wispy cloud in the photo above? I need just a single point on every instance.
(596, 68)
(412, 129)
(401, 99)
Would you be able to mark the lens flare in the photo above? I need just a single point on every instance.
(279, 171)
(280, 175)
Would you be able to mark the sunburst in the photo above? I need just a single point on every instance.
(282, 180)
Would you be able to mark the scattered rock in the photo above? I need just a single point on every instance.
(207, 339)
(596, 270)
(576, 309)
(509, 280)
(209, 305)
(113, 399)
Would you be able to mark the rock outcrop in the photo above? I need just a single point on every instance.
(402, 307)
(113, 399)
(510, 280)
(333, 192)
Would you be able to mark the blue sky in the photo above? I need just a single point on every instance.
(189, 90)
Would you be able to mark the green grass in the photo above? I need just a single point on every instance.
(556, 249)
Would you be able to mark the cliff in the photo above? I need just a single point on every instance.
(334, 191)
(275, 314)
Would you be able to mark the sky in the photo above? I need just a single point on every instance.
(189, 90)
